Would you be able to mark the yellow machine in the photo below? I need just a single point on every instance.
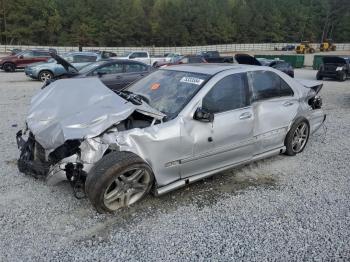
(327, 45)
(305, 48)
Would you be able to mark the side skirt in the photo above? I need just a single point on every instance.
(183, 182)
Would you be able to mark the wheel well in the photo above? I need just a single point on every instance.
(45, 70)
(9, 63)
(298, 119)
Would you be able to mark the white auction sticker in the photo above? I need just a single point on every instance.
(192, 80)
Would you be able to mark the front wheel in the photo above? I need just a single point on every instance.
(45, 76)
(342, 76)
(297, 137)
(9, 67)
(118, 180)
(319, 76)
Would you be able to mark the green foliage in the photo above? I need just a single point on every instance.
(171, 22)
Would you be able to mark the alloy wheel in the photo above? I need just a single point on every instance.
(300, 137)
(127, 188)
(44, 76)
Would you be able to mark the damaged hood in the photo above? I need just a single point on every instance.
(77, 109)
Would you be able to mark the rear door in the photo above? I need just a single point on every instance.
(229, 139)
(41, 56)
(275, 106)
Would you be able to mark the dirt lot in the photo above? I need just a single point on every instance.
(283, 208)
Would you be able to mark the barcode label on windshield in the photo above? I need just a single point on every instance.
(192, 80)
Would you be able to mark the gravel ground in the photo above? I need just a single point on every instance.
(279, 209)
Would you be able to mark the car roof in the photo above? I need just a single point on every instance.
(208, 69)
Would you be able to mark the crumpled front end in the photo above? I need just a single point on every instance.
(69, 126)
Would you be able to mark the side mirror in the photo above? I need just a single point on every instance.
(203, 115)
(20, 57)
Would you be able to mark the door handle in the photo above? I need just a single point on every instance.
(288, 103)
(245, 115)
(118, 77)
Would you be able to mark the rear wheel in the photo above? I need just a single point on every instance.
(45, 75)
(9, 67)
(319, 76)
(297, 137)
(118, 180)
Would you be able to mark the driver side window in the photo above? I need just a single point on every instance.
(109, 69)
(229, 93)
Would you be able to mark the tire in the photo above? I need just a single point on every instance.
(319, 76)
(45, 75)
(312, 50)
(9, 67)
(118, 180)
(297, 137)
(342, 76)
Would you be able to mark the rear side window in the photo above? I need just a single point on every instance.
(27, 54)
(109, 69)
(229, 93)
(133, 67)
(41, 54)
(268, 85)
(84, 59)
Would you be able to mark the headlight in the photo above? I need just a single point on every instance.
(339, 68)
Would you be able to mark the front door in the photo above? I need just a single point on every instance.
(229, 138)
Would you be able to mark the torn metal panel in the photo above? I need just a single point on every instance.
(77, 109)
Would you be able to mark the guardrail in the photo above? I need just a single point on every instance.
(227, 48)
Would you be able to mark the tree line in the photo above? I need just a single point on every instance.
(171, 22)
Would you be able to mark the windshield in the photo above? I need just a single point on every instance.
(90, 67)
(169, 91)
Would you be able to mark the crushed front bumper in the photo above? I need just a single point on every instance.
(30, 161)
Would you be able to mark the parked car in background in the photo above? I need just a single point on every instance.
(214, 57)
(103, 54)
(22, 59)
(171, 128)
(336, 67)
(288, 48)
(115, 74)
(187, 59)
(171, 56)
(51, 69)
(143, 57)
(277, 64)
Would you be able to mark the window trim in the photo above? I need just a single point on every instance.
(251, 87)
(247, 89)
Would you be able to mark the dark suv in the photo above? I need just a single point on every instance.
(336, 67)
(20, 60)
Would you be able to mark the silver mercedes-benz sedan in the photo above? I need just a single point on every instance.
(171, 128)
